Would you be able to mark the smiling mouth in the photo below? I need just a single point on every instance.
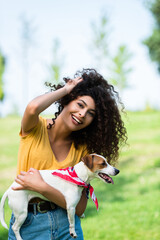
(106, 178)
(76, 119)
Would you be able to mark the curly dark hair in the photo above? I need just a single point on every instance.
(106, 133)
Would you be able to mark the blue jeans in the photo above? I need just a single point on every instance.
(52, 225)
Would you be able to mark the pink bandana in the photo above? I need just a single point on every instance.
(70, 175)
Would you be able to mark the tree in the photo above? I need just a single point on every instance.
(99, 45)
(2, 68)
(28, 30)
(116, 66)
(57, 63)
(120, 69)
(153, 42)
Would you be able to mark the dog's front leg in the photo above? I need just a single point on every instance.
(71, 218)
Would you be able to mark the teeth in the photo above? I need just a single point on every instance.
(76, 119)
(106, 177)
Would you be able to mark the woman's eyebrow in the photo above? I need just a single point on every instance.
(86, 104)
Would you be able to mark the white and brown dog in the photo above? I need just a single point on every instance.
(92, 166)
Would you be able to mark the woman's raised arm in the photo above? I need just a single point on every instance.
(40, 103)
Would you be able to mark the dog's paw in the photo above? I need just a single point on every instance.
(73, 233)
(73, 236)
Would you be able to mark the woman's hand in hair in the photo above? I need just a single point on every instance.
(72, 83)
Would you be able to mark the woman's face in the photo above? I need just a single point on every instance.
(79, 113)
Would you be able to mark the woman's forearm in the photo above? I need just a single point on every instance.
(38, 105)
(57, 197)
(81, 206)
(42, 102)
(28, 181)
(53, 195)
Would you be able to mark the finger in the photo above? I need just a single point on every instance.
(32, 170)
(70, 81)
(19, 179)
(19, 182)
(79, 79)
(18, 188)
(23, 173)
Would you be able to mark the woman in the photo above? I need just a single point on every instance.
(88, 120)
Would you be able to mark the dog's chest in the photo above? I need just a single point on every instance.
(65, 187)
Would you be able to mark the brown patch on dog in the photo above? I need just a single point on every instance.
(94, 162)
(88, 160)
(99, 163)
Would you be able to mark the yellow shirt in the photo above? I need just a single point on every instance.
(35, 151)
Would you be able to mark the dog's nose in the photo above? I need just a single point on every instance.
(116, 171)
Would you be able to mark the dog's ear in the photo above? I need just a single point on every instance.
(88, 161)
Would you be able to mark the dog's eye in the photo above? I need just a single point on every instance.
(104, 164)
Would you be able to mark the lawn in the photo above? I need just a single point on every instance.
(129, 209)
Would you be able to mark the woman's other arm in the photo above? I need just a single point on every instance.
(29, 180)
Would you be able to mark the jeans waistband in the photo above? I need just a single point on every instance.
(41, 207)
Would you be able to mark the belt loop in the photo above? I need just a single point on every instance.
(34, 209)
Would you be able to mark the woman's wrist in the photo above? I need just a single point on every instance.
(71, 84)
(42, 188)
(66, 90)
(59, 93)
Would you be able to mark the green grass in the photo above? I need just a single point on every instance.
(129, 209)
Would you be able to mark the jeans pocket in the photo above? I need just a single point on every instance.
(28, 220)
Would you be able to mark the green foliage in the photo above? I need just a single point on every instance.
(100, 32)
(2, 69)
(155, 9)
(57, 64)
(120, 69)
(129, 209)
(153, 41)
(116, 66)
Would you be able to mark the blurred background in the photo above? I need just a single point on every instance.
(47, 40)
(44, 41)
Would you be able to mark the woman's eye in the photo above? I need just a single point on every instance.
(91, 114)
(80, 105)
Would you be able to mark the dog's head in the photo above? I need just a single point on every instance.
(98, 165)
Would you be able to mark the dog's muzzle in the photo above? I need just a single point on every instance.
(41, 207)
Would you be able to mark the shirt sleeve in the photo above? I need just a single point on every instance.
(35, 129)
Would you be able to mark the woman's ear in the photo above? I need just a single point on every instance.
(88, 161)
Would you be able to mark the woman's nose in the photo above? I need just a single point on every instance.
(82, 113)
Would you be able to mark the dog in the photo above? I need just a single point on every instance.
(92, 166)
